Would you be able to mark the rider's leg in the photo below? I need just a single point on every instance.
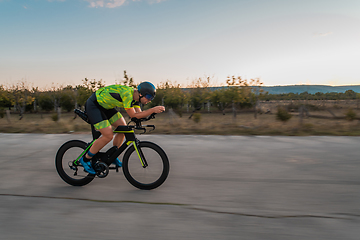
(101, 119)
(105, 138)
(119, 137)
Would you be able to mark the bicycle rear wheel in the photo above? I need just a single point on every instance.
(154, 174)
(66, 155)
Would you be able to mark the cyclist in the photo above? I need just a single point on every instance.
(100, 108)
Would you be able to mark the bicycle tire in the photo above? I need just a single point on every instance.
(78, 147)
(154, 155)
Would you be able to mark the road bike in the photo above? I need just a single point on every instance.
(144, 164)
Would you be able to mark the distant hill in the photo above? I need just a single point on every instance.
(312, 89)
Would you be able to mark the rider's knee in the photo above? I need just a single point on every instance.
(120, 134)
(108, 136)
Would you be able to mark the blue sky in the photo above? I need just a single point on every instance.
(282, 42)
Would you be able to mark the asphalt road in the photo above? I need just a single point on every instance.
(219, 187)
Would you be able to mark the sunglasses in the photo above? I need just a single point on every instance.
(149, 97)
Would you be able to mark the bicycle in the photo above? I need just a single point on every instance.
(145, 164)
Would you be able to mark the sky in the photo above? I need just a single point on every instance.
(282, 42)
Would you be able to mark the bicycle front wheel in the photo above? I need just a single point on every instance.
(65, 157)
(151, 176)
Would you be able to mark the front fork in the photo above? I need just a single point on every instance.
(140, 154)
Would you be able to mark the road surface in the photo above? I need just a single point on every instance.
(219, 187)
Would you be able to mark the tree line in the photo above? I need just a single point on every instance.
(347, 95)
(21, 97)
(200, 94)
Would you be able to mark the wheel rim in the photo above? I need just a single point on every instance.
(152, 172)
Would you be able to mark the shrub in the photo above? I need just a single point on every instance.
(350, 115)
(196, 117)
(55, 117)
(283, 115)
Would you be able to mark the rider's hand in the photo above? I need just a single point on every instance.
(158, 109)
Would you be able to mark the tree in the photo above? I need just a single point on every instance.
(35, 94)
(82, 94)
(56, 95)
(45, 101)
(199, 93)
(350, 94)
(236, 93)
(84, 91)
(5, 100)
(20, 97)
(171, 96)
(92, 85)
(217, 98)
(128, 81)
(68, 98)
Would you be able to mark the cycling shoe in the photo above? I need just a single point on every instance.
(87, 166)
(117, 162)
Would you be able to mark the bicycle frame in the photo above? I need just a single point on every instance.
(130, 138)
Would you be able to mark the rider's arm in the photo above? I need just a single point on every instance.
(142, 114)
(137, 109)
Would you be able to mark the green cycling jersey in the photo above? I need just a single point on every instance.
(116, 96)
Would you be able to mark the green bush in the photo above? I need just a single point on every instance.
(350, 115)
(55, 117)
(196, 117)
(283, 115)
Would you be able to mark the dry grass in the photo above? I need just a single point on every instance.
(210, 123)
(43, 123)
(264, 124)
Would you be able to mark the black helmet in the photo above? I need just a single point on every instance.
(147, 90)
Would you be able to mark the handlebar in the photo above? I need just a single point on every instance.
(138, 122)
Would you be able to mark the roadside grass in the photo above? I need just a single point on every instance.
(210, 124)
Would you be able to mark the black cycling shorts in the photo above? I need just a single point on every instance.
(99, 116)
